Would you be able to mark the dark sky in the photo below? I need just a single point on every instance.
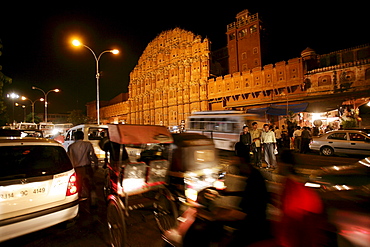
(37, 50)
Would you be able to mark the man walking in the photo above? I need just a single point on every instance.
(297, 139)
(269, 145)
(306, 138)
(279, 138)
(81, 154)
(246, 141)
(256, 144)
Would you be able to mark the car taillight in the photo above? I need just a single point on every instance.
(72, 185)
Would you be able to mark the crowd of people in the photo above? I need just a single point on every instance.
(262, 144)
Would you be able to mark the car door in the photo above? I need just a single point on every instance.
(358, 144)
(338, 141)
(70, 138)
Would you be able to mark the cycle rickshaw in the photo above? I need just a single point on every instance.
(137, 161)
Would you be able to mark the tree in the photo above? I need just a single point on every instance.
(30, 118)
(77, 117)
(3, 79)
(291, 122)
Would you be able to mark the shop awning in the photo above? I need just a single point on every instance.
(279, 110)
(324, 105)
(258, 110)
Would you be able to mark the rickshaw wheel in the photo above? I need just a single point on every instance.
(165, 212)
(116, 223)
(107, 187)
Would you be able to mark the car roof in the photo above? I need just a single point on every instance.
(89, 125)
(347, 130)
(20, 141)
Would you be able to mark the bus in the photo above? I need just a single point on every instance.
(47, 129)
(224, 127)
(26, 126)
(62, 128)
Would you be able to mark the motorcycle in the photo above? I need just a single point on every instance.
(221, 216)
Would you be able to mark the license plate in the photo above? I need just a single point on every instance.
(23, 191)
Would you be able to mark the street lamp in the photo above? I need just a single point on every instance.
(115, 51)
(32, 106)
(24, 111)
(12, 96)
(46, 100)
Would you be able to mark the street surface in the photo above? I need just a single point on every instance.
(91, 229)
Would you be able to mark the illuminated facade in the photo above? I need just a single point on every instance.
(244, 42)
(172, 78)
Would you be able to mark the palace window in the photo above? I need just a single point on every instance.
(244, 55)
(232, 36)
(253, 29)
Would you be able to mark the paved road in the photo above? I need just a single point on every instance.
(91, 227)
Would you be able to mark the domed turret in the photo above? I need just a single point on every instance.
(308, 53)
(309, 58)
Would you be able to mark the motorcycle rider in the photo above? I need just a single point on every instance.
(248, 224)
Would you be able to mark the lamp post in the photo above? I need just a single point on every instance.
(24, 111)
(46, 100)
(97, 58)
(12, 96)
(32, 106)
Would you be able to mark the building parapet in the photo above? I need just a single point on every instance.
(340, 66)
(242, 22)
(347, 49)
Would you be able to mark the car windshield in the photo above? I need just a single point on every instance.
(32, 161)
(96, 133)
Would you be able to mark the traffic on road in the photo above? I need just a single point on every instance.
(157, 194)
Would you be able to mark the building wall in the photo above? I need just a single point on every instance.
(244, 42)
(170, 80)
(267, 84)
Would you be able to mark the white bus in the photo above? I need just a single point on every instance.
(47, 129)
(224, 127)
(61, 128)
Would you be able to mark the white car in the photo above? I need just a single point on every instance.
(37, 186)
(93, 133)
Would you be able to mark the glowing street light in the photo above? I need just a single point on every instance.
(46, 100)
(12, 96)
(24, 110)
(32, 106)
(115, 51)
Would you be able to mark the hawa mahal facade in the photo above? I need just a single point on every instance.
(178, 74)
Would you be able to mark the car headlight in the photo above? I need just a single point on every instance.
(312, 185)
(192, 194)
(198, 180)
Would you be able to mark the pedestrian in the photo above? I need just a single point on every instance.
(297, 139)
(246, 140)
(278, 136)
(256, 144)
(306, 138)
(285, 136)
(81, 154)
(268, 141)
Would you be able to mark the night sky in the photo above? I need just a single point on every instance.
(37, 50)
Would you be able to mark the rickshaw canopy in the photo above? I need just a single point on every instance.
(138, 134)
